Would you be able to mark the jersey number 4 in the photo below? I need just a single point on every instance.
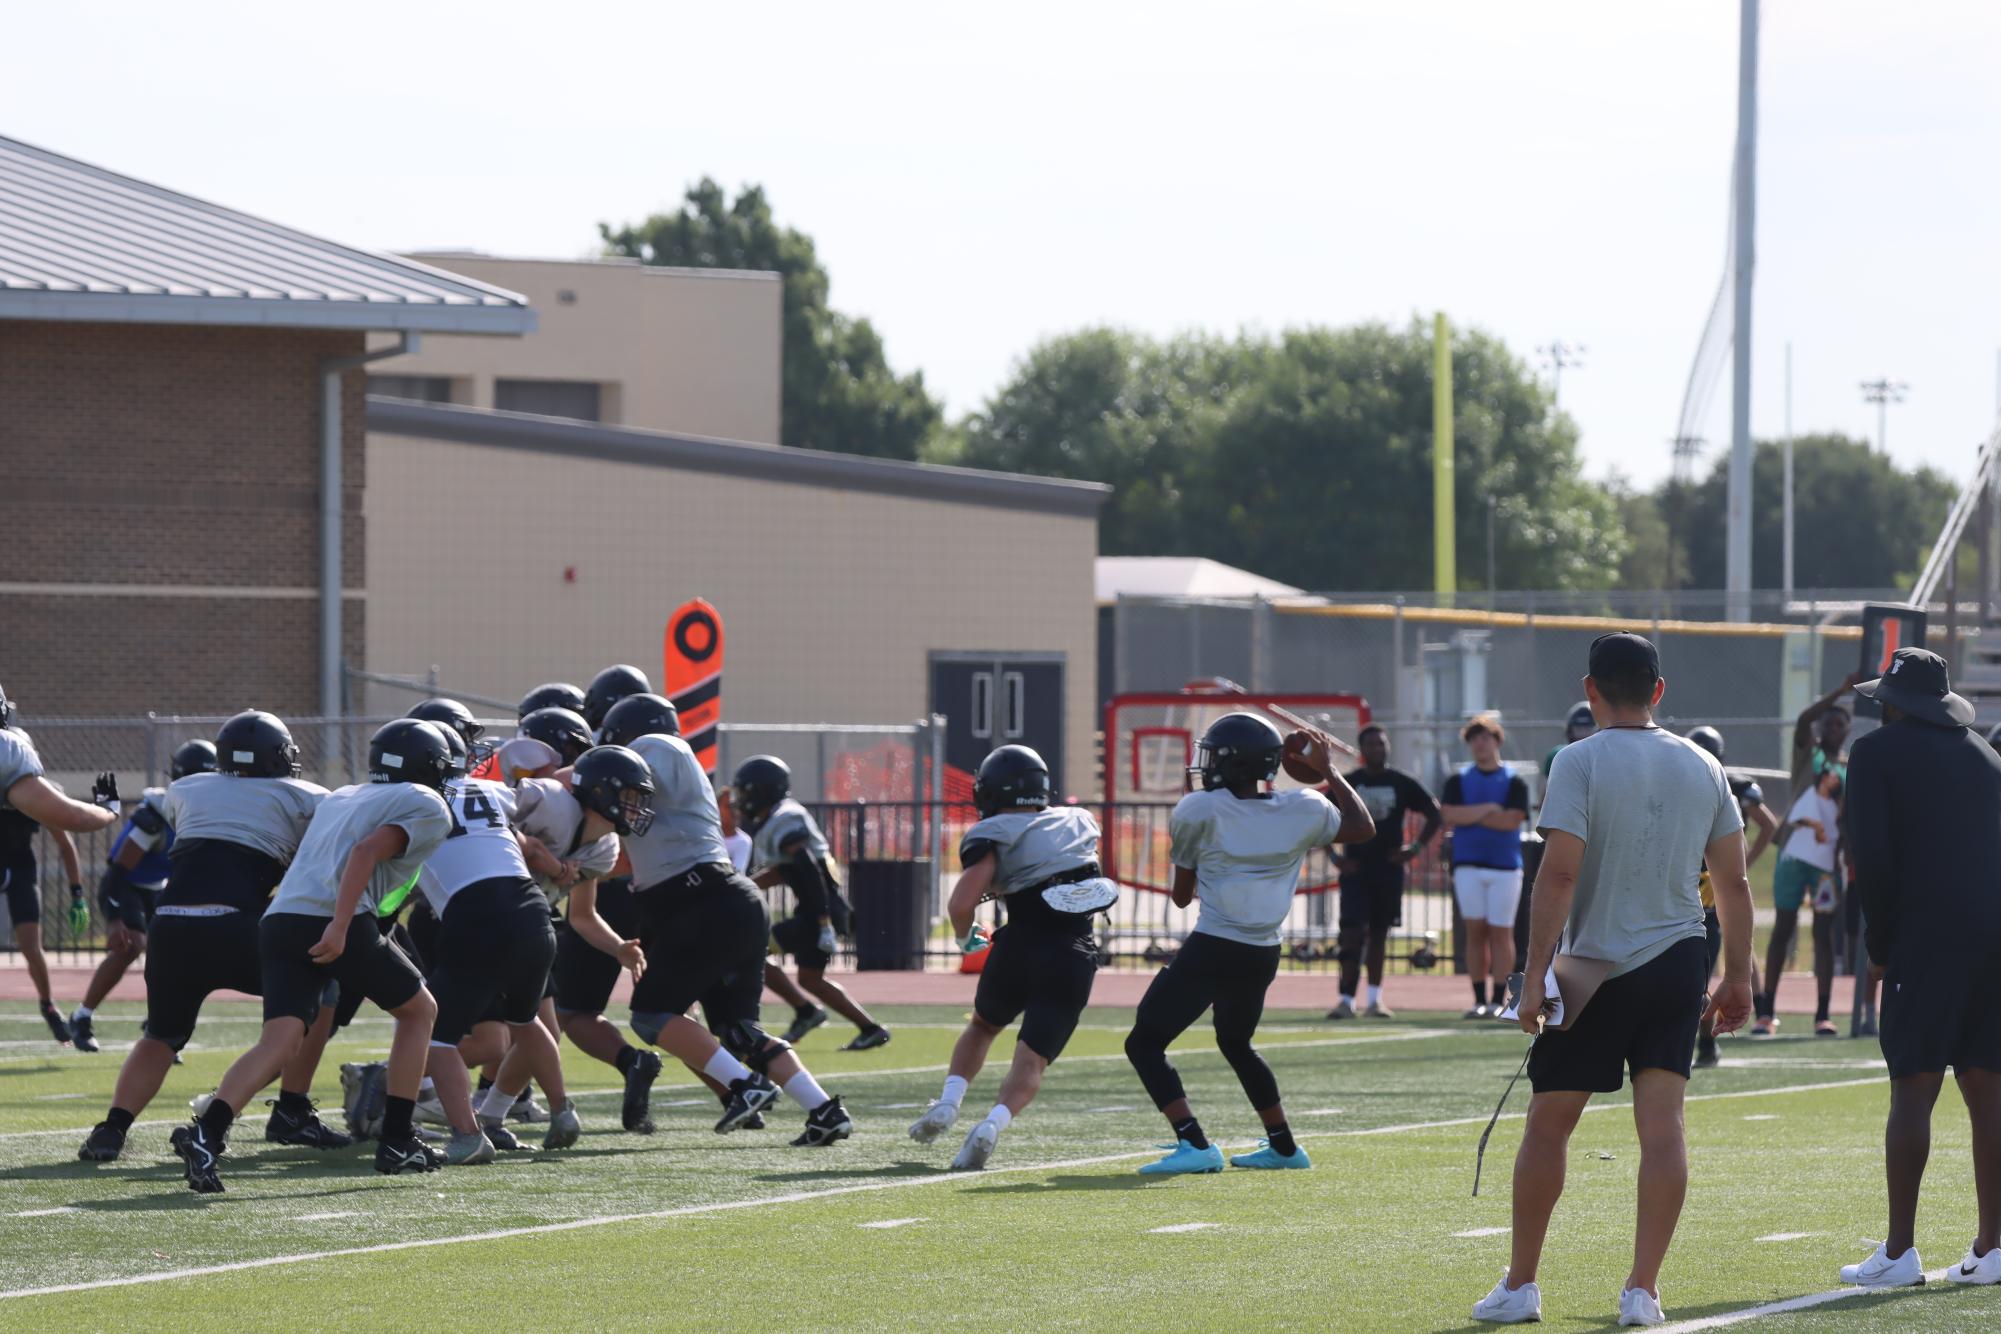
(476, 807)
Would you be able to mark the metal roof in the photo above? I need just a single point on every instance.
(78, 242)
(772, 463)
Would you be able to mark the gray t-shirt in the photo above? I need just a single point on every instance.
(1246, 855)
(1031, 846)
(346, 817)
(267, 815)
(18, 760)
(1646, 803)
(788, 821)
(546, 810)
(687, 827)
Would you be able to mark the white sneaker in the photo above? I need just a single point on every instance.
(1510, 1306)
(979, 1147)
(937, 1119)
(1880, 1271)
(1977, 1268)
(199, 1103)
(431, 1112)
(1637, 1306)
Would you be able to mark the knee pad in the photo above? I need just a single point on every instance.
(753, 1046)
(648, 1024)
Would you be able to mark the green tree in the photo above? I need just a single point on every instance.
(1859, 521)
(839, 392)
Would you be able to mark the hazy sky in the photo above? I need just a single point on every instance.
(978, 177)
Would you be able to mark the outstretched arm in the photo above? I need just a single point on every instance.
(43, 802)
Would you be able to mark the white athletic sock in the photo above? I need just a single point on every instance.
(805, 1090)
(495, 1104)
(1000, 1116)
(83, 1012)
(1348, 996)
(954, 1091)
(725, 1068)
(1375, 994)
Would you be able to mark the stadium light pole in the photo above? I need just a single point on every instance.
(1444, 533)
(1883, 391)
(1789, 473)
(1737, 537)
(1557, 355)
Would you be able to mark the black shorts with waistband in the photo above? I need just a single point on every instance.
(369, 966)
(584, 975)
(192, 953)
(20, 880)
(704, 932)
(1642, 1020)
(491, 956)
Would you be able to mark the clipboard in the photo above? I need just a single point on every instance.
(1577, 981)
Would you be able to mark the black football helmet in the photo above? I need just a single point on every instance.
(562, 730)
(618, 785)
(1709, 739)
(451, 714)
(6, 709)
(636, 716)
(761, 782)
(1012, 778)
(554, 695)
(460, 755)
(610, 686)
(192, 757)
(1580, 723)
(1238, 748)
(256, 744)
(411, 750)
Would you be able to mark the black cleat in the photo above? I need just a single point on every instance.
(306, 1131)
(869, 1039)
(498, 1135)
(748, 1097)
(825, 1124)
(199, 1155)
(106, 1142)
(639, 1092)
(393, 1157)
(804, 1022)
(58, 1029)
(80, 1032)
(755, 1121)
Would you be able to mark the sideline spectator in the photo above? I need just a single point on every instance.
(1751, 804)
(1820, 735)
(1805, 870)
(1485, 806)
(1925, 826)
(1579, 725)
(1372, 873)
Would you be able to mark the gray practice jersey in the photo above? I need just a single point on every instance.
(344, 819)
(480, 845)
(266, 815)
(1246, 856)
(18, 760)
(544, 809)
(1031, 846)
(788, 821)
(687, 828)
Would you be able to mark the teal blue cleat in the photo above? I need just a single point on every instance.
(1267, 1156)
(1185, 1158)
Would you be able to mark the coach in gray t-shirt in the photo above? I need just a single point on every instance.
(1628, 818)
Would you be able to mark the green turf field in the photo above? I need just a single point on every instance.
(688, 1229)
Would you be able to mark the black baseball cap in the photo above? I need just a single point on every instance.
(1624, 657)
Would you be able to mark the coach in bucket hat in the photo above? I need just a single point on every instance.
(1917, 684)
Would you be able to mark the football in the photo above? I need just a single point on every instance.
(1297, 766)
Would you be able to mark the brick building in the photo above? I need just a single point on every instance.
(177, 381)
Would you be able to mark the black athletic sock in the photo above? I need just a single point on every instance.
(1280, 1138)
(627, 1054)
(1480, 993)
(216, 1117)
(1191, 1130)
(294, 1104)
(118, 1119)
(484, 1083)
(396, 1113)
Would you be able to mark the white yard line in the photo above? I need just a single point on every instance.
(1185, 1227)
(1805, 1303)
(890, 1223)
(802, 1196)
(1789, 1236)
(321, 1218)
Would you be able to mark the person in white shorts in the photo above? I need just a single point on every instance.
(1485, 805)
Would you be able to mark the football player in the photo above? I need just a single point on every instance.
(134, 874)
(552, 695)
(1751, 802)
(704, 929)
(29, 801)
(788, 848)
(1237, 848)
(1043, 860)
(234, 833)
(364, 841)
(610, 686)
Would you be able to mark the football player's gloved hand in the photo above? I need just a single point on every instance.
(79, 912)
(976, 940)
(104, 792)
(826, 943)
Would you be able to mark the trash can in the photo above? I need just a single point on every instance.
(892, 903)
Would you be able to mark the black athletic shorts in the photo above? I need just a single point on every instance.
(346, 1000)
(493, 952)
(584, 975)
(419, 932)
(369, 967)
(800, 938)
(704, 932)
(1041, 977)
(1642, 1020)
(132, 905)
(192, 953)
(1941, 1007)
(1712, 934)
(1373, 897)
(20, 879)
